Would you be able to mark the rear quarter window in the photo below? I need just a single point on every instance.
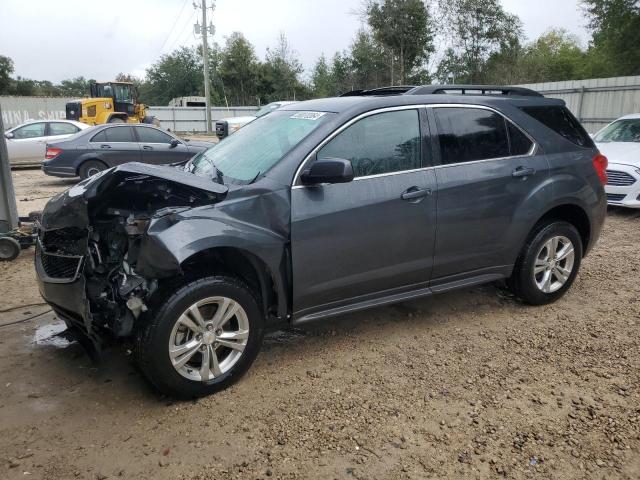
(561, 120)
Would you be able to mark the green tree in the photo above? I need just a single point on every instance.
(322, 78)
(6, 69)
(476, 29)
(404, 27)
(176, 74)
(616, 36)
(74, 87)
(369, 62)
(280, 73)
(239, 70)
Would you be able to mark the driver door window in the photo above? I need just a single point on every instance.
(381, 143)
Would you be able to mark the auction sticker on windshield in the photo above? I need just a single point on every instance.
(308, 115)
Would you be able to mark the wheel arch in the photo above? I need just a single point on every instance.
(239, 263)
(575, 215)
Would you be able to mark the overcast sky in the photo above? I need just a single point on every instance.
(58, 39)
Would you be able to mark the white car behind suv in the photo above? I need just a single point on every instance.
(620, 143)
(227, 126)
(26, 143)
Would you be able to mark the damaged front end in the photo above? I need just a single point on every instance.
(88, 249)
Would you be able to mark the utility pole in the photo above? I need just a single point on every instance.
(8, 210)
(205, 55)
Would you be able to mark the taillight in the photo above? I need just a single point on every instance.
(52, 153)
(600, 163)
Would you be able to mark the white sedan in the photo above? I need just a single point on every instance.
(620, 143)
(26, 143)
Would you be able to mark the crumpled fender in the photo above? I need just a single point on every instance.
(173, 238)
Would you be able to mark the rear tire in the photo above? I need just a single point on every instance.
(90, 168)
(187, 349)
(548, 263)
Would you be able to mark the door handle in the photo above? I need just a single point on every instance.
(105, 146)
(523, 172)
(147, 147)
(415, 193)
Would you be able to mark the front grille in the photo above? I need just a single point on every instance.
(619, 179)
(64, 240)
(73, 110)
(615, 197)
(60, 267)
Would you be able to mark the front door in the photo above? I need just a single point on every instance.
(373, 236)
(156, 147)
(489, 168)
(27, 144)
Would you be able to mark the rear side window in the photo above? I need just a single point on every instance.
(468, 134)
(380, 143)
(114, 134)
(518, 141)
(59, 128)
(561, 121)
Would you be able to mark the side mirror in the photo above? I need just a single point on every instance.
(328, 170)
(8, 135)
(174, 143)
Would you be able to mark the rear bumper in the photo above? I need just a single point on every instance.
(623, 195)
(59, 171)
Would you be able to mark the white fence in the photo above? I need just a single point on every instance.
(17, 110)
(192, 119)
(595, 102)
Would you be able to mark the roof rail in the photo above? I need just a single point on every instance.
(496, 90)
(474, 90)
(379, 92)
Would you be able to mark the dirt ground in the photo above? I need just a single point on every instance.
(469, 384)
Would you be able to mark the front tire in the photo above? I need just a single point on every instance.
(548, 263)
(202, 339)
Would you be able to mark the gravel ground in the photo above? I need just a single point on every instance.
(469, 384)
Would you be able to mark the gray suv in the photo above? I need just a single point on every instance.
(321, 208)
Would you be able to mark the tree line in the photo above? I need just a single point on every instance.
(401, 42)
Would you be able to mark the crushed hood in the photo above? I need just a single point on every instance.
(130, 187)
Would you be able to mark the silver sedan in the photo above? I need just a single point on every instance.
(26, 143)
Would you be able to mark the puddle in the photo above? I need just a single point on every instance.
(53, 334)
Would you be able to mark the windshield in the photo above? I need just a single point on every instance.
(257, 147)
(266, 109)
(627, 130)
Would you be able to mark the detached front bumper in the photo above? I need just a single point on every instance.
(623, 185)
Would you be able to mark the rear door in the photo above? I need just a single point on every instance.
(28, 144)
(116, 145)
(372, 237)
(156, 146)
(488, 168)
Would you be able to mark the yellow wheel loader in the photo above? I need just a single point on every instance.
(109, 102)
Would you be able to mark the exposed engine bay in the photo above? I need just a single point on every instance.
(92, 236)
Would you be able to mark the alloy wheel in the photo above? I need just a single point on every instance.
(554, 264)
(208, 339)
